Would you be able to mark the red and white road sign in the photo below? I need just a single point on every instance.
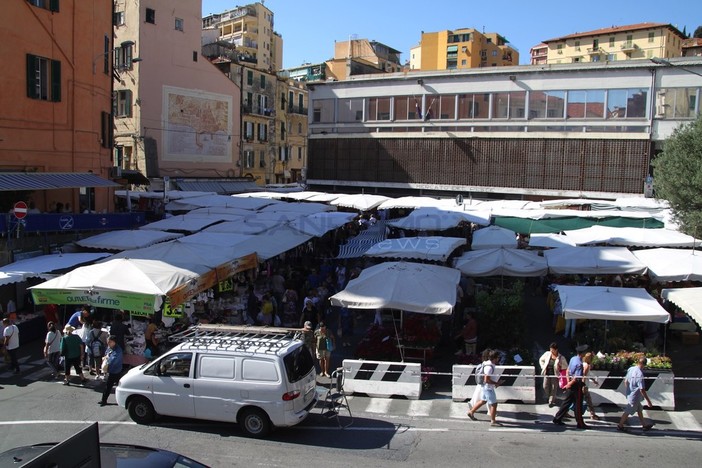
(20, 210)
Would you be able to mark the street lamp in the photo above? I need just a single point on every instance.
(660, 61)
(124, 45)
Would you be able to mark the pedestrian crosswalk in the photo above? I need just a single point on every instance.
(442, 407)
(510, 414)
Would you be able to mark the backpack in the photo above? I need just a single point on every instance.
(479, 374)
(97, 348)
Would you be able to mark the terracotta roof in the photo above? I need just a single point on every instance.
(693, 42)
(617, 29)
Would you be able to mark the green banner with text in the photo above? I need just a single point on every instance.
(138, 304)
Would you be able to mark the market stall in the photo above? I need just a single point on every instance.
(493, 237)
(432, 248)
(501, 261)
(593, 261)
(671, 264)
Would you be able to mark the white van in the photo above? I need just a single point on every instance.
(257, 377)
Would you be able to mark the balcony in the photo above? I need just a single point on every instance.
(595, 51)
(629, 47)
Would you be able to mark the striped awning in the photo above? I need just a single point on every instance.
(51, 180)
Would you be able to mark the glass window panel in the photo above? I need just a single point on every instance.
(401, 107)
(576, 104)
(595, 104)
(323, 111)
(448, 107)
(351, 110)
(500, 105)
(517, 104)
(616, 103)
(379, 108)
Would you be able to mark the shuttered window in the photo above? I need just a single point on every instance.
(43, 78)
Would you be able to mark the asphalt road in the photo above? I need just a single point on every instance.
(384, 433)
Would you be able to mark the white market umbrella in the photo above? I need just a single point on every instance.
(551, 241)
(318, 224)
(610, 303)
(436, 219)
(127, 239)
(361, 201)
(433, 248)
(410, 202)
(593, 261)
(43, 265)
(492, 237)
(501, 262)
(297, 207)
(687, 299)
(630, 236)
(671, 264)
(414, 287)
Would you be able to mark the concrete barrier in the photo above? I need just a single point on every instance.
(383, 379)
(519, 383)
(608, 387)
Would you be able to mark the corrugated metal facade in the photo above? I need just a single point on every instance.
(587, 165)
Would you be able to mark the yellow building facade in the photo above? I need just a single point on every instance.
(631, 42)
(291, 129)
(462, 49)
(250, 29)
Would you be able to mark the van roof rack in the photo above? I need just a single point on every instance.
(243, 337)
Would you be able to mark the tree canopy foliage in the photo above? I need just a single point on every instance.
(698, 32)
(678, 176)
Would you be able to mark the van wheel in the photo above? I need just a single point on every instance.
(255, 422)
(141, 410)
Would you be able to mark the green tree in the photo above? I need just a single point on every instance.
(698, 32)
(678, 176)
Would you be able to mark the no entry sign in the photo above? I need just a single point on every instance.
(20, 210)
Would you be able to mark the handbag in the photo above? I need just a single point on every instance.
(330, 345)
(562, 379)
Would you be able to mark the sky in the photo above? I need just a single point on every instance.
(310, 27)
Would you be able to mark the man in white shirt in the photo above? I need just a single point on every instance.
(11, 341)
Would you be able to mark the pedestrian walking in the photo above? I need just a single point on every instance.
(52, 349)
(73, 352)
(478, 392)
(11, 342)
(324, 347)
(587, 366)
(635, 393)
(113, 357)
(489, 384)
(551, 363)
(574, 388)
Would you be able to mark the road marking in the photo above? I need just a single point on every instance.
(420, 407)
(378, 429)
(459, 410)
(54, 421)
(684, 422)
(378, 405)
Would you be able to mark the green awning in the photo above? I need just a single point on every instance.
(568, 223)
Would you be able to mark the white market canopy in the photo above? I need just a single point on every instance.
(493, 237)
(630, 236)
(134, 285)
(434, 248)
(127, 239)
(410, 202)
(267, 244)
(438, 219)
(42, 265)
(610, 303)
(414, 287)
(224, 201)
(688, 299)
(671, 264)
(549, 240)
(501, 262)
(187, 222)
(593, 261)
(253, 225)
(186, 254)
(361, 201)
(297, 207)
(318, 224)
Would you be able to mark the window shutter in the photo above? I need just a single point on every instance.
(114, 103)
(31, 77)
(128, 102)
(54, 5)
(55, 81)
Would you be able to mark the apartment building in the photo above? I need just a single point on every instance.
(250, 29)
(616, 43)
(570, 130)
(291, 126)
(362, 57)
(539, 54)
(55, 96)
(692, 47)
(176, 115)
(461, 49)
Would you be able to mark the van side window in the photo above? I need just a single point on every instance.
(175, 365)
(217, 367)
(260, 370)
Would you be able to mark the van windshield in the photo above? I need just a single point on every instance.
(298, 364)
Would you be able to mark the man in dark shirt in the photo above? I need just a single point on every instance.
(119, 330)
